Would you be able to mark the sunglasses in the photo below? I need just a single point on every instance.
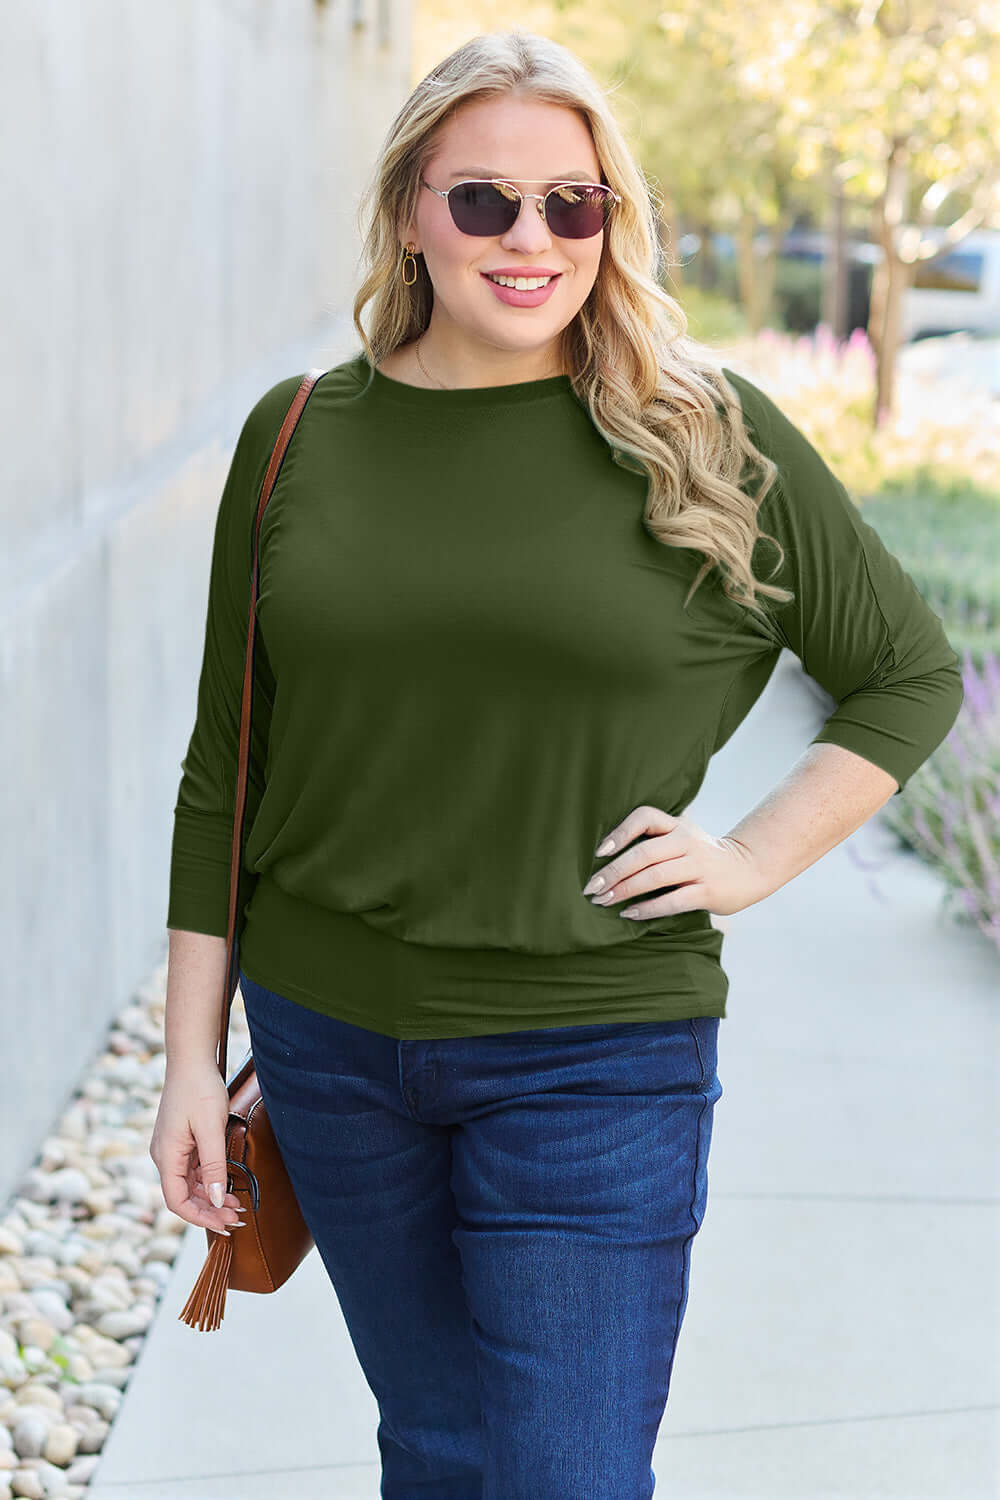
(488, 207)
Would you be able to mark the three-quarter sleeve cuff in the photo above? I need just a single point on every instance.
(897, 727)
(200, 860)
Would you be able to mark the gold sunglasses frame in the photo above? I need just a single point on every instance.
(540, 199)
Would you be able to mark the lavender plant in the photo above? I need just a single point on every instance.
(929, 483)
(949, 810)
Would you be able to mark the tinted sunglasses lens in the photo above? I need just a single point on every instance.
(578, 213)
(482, 209)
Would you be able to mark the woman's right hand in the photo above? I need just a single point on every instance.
(188, 1145)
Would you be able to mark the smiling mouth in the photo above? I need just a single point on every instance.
(521, 283)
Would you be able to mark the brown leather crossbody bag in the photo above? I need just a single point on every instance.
(279, 1239)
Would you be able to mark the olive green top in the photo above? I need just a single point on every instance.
(472, 661)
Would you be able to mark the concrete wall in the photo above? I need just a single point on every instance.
(181, 186)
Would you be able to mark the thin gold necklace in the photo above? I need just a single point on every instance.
(416, 350)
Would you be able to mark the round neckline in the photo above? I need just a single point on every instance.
(463, 395)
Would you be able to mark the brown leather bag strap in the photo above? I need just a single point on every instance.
(232, 971)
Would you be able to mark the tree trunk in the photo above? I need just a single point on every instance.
(706, 259)
(747, 269)
(892, 277)
(835, 263)
(767, 269)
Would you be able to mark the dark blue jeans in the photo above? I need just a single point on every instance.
(507, 1224)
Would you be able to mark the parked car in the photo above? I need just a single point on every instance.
(956, 292)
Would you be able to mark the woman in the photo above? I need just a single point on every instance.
(509, 607)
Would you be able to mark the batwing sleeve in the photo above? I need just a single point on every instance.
(201, 848)
(858, 622)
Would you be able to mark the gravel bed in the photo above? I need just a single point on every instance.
(86, 1249)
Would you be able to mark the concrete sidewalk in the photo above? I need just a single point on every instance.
(842, 1334)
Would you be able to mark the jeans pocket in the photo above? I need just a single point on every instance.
(705, 1034)
(264, 1010)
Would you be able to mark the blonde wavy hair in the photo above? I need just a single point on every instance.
(652, 391)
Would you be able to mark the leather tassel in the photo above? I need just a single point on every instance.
(207, 1302)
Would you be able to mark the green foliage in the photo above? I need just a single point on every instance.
(798, 293)
(946, 537)
(712, 318)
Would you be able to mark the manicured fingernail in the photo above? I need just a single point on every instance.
(217, 1192)
(606, 847)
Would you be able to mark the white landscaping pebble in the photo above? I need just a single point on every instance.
(78, 1414)
(127, 1321)
(18, 1305)
(39, 1242)
(67, 1185)
(52, 1154)
(124, 1255)
(157, 1270)
(35, 1393)
(91, 1262)
(29, 1214)
(109, 1293)
(92, 1435)
(101, 1350)
(104, 1375)
(99, 1201)
(51, 1298)
(103, 1398)
(33, 1271)
(142, 1170)
(51, 1478)
(29, 1433)
(76, 1280)
(27, 1483)
(36, 1332)
(70, 1250)
(163, 1247)
(82, 1468)
(12, 1371)
(74, 1125)
(61, 1444)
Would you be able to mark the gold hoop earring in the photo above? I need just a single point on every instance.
(409, 256)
